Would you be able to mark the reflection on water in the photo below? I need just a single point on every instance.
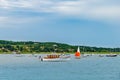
(31, 68)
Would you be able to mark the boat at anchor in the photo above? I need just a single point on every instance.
(111, 55)
(77, 54)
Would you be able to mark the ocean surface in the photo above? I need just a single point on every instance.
(29, 67)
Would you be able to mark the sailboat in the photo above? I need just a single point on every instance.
(77, 54)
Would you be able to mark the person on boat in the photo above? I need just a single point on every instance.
(39, 57)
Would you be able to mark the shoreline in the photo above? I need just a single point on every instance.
(63, 53)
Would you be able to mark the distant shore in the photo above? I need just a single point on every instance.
(62, 53)
(24, 47)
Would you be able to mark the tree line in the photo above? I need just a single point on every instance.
(38, 47)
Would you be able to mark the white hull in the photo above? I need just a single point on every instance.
(111, 55)
(55, 59)
(19, 55)
(77, 57)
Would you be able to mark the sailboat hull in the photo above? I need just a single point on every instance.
(77, 57)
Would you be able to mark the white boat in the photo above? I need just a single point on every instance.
(55, 58)
(17, 54)
(111, 55)
(101, 55)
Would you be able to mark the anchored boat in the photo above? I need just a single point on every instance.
(111, 55)
(77, 54)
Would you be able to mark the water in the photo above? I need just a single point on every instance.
(31, 68)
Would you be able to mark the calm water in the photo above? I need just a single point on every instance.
(30, 68)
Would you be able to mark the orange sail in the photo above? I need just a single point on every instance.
(77, 54)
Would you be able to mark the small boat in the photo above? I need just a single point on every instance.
(111, 55)
(77, 54)
(101, 55)
(55, 58)
(17, 54)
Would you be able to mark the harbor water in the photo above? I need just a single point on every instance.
(28, 67)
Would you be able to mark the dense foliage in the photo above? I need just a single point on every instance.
(37, 47)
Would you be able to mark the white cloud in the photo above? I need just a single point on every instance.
(3, 19)
(9, 4)
(92, 9)
(18, 20)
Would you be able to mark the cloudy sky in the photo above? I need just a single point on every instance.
(76, 22)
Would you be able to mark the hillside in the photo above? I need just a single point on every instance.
(38, 47)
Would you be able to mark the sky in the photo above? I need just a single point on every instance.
(74, 22)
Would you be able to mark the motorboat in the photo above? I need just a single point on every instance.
(55, 58)
(111, 55)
